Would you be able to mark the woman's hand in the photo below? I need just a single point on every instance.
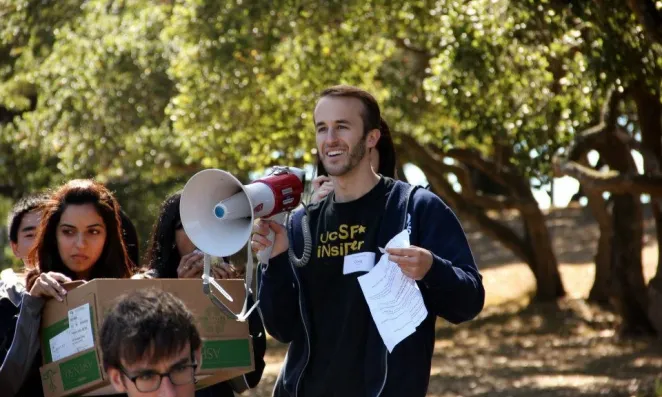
(47, 285)
(223, 270)
(322, 186)
(191, 265)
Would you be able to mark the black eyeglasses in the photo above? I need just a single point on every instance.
(180, 375)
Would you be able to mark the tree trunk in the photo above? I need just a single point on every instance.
(649, 113)
(655, 285)
(614, 145)
(600, 291)
(544, 266)
(629, 285)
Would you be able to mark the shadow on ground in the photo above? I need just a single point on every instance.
(569, 349)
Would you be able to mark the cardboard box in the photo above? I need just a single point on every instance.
(227, 350)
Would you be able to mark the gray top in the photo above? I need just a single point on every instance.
(25, 344)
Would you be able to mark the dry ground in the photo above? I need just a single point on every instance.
(516, 349)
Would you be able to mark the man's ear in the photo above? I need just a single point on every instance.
(373, 138)
(14, 248)
(115, 376)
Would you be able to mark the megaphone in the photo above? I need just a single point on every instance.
(217, 213)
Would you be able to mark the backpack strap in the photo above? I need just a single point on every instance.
(406, 214)
(398, 202)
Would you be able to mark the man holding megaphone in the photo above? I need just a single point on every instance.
(319, 308)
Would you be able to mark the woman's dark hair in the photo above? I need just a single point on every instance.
(113, 262)
(130, 235)
(162, 254)
(162, 258)
(372, 119)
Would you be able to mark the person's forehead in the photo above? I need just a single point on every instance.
(159, 364)
(30, 219)
(77, 213)
(331, 108)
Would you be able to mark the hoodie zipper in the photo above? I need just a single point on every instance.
(305, 328)
(404, 225)
(385, 371)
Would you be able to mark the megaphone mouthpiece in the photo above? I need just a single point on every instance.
(235, 207)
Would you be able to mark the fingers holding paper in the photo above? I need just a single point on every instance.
(415, 262)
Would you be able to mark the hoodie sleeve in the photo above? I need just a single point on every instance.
(278, 293)
(24, 347)
(453, 287)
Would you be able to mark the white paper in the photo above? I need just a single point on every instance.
(395, 302)
(61, 346)
(80, 328)
(360, 262)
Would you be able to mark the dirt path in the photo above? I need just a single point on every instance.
(513, 349)
(569, 350)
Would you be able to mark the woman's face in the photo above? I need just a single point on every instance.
(182, 242)
(81, 235)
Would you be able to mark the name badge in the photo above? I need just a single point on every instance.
(361, 262)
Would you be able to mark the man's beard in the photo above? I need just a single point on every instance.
(355, 156)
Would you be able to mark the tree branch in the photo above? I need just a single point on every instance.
(586, 141)
(649, 17)
(611, 181)
(464, 179)
(474, 159)
(495, 229)
(609, 113)
(651, 163)
(464, 204)
(500, 173)
(402, 43)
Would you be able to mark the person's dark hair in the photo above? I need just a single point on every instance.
(372, 119)
(148, 324)
(23, 206)
(162, 254)
(162, 257)
(113, 262)
(130, 235)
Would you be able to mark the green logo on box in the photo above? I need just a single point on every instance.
(217, 354)
(213, 321)
(48, 377)
(79, 371)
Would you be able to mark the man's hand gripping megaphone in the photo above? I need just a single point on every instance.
(269, 237)
(218, 214)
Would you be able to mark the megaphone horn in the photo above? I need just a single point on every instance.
(217, 211)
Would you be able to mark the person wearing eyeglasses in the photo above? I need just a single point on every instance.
(150, 345)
